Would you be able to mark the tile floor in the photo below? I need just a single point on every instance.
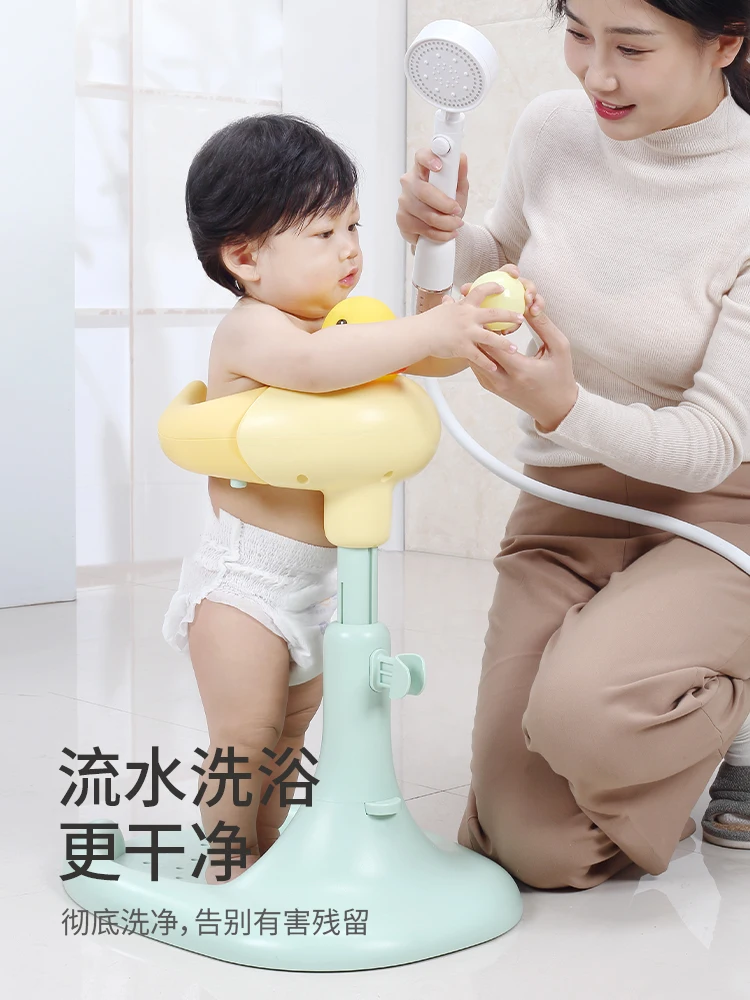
(98, 673)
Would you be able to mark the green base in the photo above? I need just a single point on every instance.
(424, 897)
(356, 848)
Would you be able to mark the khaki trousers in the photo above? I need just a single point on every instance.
(616, 674)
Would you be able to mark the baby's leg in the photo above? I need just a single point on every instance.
(242, 670)
(303, 703)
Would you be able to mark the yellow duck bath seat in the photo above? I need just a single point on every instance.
(352, 445)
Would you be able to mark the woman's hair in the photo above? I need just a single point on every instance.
(710, 18)
(260, 176)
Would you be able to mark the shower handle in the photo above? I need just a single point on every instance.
(433, 261)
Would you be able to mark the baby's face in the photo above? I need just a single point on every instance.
(307, 271)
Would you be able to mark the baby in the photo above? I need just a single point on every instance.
(272, 208)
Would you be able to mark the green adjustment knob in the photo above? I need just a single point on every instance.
(237, 484)
(398, 675)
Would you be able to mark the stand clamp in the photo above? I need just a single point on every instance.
(398, 675)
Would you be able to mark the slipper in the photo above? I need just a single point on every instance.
(726, 821)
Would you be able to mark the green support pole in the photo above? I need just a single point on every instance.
(388, 892)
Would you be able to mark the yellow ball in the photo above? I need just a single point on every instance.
(513, 298)
(361, 309)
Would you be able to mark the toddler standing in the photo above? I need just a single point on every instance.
(272, 208)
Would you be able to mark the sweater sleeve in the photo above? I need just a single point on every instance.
(692, 446)
(501, 238)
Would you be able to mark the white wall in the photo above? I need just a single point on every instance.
(474, 506)
(150, 90)
(343, 68)
(37, 494)
(154, 79)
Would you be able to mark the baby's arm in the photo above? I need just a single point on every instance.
(437, 367)
(434, 367)
(442, 367)
(269, 348)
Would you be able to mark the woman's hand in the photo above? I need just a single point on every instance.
(543, 385)
(424, 210)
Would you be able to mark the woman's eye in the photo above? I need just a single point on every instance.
(354, 225)
(326, 234)
(625, 51)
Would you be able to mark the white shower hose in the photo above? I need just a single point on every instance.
(605, 507)
(575, 500)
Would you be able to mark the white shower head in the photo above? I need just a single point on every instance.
(452, 65)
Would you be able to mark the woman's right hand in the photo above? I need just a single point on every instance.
(424, 210)
(457, 329)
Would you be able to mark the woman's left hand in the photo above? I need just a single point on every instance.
(543, 385)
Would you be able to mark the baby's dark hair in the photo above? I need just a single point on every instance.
(260, 176)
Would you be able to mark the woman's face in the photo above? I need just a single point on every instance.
(628, 53)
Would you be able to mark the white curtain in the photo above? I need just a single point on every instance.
(154, 79)
(37, 490)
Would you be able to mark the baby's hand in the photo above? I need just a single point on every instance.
(534, 301)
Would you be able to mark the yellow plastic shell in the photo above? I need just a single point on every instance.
(201, 436)
(353, 446)
(358, 309)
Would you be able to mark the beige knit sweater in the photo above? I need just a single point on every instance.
(641, 249)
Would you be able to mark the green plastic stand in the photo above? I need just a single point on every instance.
(391, 893)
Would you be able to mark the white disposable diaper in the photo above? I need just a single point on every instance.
(287, 585)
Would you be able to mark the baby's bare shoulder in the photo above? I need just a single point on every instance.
(241, 327)
(248, 320)
(237, 335)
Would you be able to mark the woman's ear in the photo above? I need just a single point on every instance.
(242, 262)
(728, 47)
